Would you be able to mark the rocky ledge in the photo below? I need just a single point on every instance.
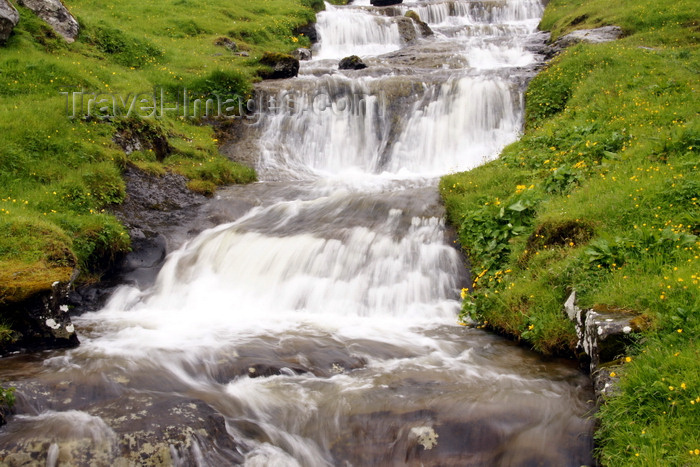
(590, 36)
(9, 17)
(603, 337)
(56, 15)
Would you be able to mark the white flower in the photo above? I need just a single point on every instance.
(52, 324)
(63, 308)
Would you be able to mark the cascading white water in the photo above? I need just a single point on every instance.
(319, 328)
(342, 33)
(460, 13)
(336, 125)
(343, 125)
(466, 123)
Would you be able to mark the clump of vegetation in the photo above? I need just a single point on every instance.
(7, 396)
(601, 195)
(123, 48)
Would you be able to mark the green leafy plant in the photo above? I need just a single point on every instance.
(7, 396)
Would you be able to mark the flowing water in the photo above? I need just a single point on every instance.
(319, 328)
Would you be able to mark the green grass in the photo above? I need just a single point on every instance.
(601, 195)
(59, 176)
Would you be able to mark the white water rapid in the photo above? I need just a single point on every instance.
(317, 326)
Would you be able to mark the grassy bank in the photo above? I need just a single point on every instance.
(601, 195)
(59, 175)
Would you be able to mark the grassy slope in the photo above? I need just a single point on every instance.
(601, 195)
(57, 175)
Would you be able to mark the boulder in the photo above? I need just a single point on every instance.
(41, 321)
(279, 66)
(8, 20)
(603, 337)
(308, 30)
(353, 62)
(422, 25)
(55, 14)
(302, 53)
(407, 30)
(385, 2)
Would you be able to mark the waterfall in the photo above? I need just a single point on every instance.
(316, 324)
(347, 32)
(343, 125)
(465, 123)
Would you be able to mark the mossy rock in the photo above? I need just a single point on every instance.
(278, 66)
(353, 62)
(136, 134)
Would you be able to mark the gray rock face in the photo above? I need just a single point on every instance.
(591, 36)
(55, 14)
(603, 337)
(406, 29)
(8, 20)
(302, 53)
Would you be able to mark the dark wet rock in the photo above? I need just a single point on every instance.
(138, 429)
(353, 62)
(226, 43)
(9, 17)
(154, 205)
(308, 30)
(55, 14)
(155, 201)
(264, 358)
(279, 66)
(385, 2)
(41, 321)
(5, 411)
(590, 36)
(418, 438)
(422, 25)
(302, 53)
(603, 338)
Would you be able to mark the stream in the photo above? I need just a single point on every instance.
(318, 326)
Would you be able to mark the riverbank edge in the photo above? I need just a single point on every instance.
(40, 309)
(646, 388)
